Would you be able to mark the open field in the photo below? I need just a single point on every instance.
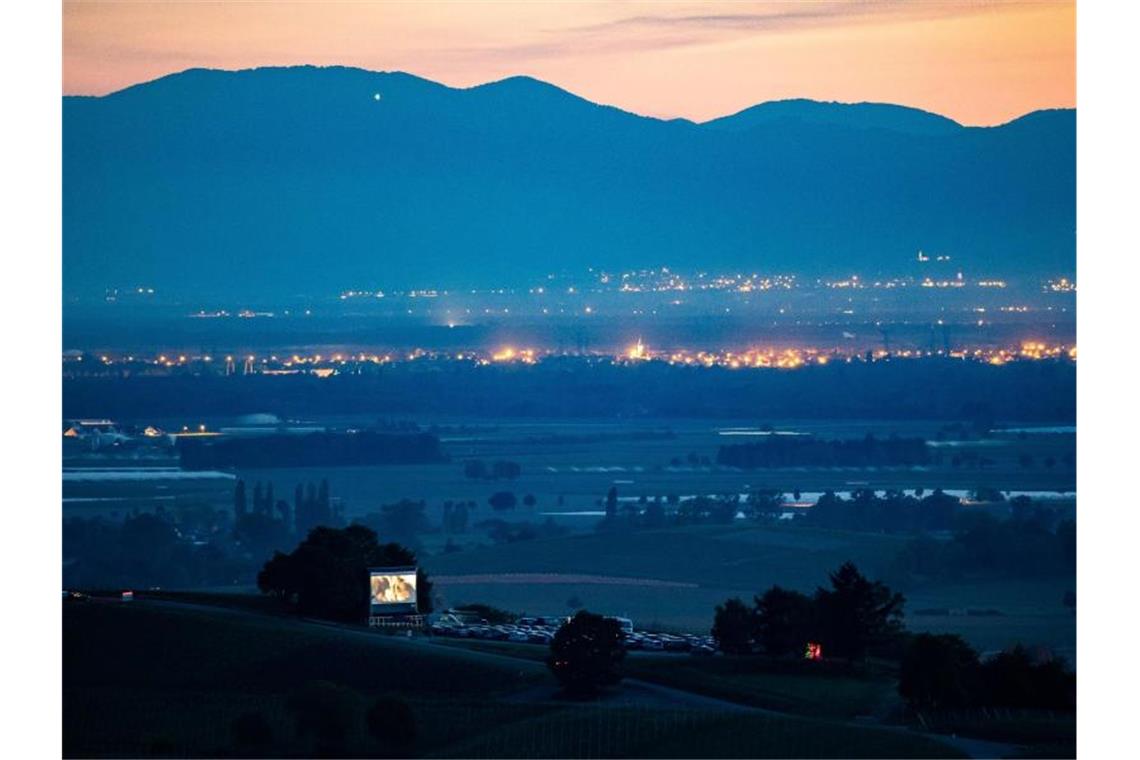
(708, 564)
(569, 465)
(153, 679)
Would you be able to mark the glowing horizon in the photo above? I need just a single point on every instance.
(979, 63)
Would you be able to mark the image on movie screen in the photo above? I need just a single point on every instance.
(393, 588)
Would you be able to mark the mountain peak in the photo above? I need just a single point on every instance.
(865, 115)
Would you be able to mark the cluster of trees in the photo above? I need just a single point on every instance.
(309, 450)
(510, 532)
(1030, 544)
(326, 576)
(893, 512)
(402, 521)
(151, 549)
(808, 451)
(658, 512)
(852, 618)
(456, 515)
(501, 501)
(856, 617)
(477, 469)
(270, 524)
(944, 672)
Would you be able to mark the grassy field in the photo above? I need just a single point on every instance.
(831, 690)
(708, 564)
(597, 733)
(164, 680)
(576, 461)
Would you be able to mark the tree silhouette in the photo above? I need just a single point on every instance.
(502, 500)
(587, 653)
(611, 503)
(856, 614)
(326, 576)
(239, 499)
(785, 621)
(734, 627)
(938, 671)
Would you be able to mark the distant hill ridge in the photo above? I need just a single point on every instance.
(313, 179)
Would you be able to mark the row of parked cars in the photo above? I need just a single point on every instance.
(667, 642)
(542, 630)
(517, 632)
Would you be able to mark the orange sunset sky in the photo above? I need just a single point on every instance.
(975, 61)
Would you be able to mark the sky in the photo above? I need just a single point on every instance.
(979, 62)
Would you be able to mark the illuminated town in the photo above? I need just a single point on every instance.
(327, 365)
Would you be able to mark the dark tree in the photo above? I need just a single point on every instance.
(326, 576)
(502, 500)
(276, 576)
(529, 501)
(259, 534)
(586, 654)
(286, 515)
(1015, 678)
(239, 500)
(938, 671)
(734, 627)
(785, 621)
(323, 502)
(857, 615)
(392, 724)
(476, 469)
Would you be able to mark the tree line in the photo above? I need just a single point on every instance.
(854, 618)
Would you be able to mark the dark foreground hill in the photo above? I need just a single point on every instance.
(272, 182)
(143, 680)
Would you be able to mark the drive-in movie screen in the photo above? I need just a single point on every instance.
(393, 589)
